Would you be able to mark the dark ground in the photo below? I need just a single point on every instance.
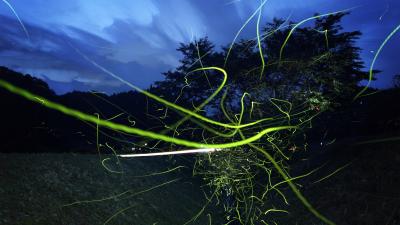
(33, 187)
(366, 192)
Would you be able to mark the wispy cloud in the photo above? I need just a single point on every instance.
(48, 55)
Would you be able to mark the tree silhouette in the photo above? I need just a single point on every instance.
(321, 59)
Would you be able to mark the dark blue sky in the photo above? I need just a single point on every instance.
(137, 39)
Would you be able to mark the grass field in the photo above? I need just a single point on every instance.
(366, 192)
(34, 188)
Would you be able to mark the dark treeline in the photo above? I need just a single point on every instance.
(29, 127)
(320, 67)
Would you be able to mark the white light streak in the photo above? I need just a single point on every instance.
(179, 152)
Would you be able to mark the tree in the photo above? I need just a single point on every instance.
(319, 65)
(305, 69)
(321, 58)
(184, 86)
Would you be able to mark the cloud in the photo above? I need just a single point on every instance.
(141, 44)
(138, 39)
(48, 55)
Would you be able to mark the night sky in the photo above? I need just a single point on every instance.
(137, 39)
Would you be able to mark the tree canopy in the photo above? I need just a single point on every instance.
(318, 63)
